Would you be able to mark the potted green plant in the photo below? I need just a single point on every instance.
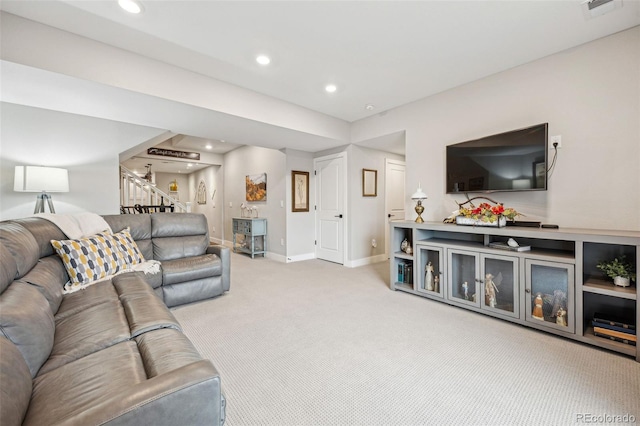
(620, 270)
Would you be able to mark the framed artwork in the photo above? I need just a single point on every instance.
(369, 183)
(201, 195)
(256, 187)
(299, 191)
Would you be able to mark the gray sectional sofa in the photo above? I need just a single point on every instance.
(111, 353)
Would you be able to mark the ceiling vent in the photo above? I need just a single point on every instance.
(594, 8)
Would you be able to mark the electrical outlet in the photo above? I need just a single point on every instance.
(282, 241)
(374, 243)
(555, 139)
(213, 229)
(230, 204)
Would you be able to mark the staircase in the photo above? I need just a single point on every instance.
(139, 196)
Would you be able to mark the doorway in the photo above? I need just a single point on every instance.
(330, 218)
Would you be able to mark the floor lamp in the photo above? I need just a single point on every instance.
(42, 180)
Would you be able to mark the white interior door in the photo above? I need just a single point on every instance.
(394, 194)
(330, 207)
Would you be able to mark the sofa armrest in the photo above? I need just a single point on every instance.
(224, 254)
(187, 395)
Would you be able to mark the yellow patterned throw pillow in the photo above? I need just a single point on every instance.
(90, 259)
(128, 247)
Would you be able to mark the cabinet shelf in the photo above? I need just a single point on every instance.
(403, 255)
(624, 348)
(600, 286)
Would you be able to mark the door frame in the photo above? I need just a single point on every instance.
(387, 230)
(345, 198)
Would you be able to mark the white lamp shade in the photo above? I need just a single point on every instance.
(419, 195)
(38, 179)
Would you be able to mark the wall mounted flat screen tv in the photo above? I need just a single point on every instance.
(510, 161)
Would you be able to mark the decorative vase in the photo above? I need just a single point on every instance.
(621, 281)
(469, 221)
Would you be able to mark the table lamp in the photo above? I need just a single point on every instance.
(418, 196)
(43, 180)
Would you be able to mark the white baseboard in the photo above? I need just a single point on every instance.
(300, 257)
(366, 261)
(276, 257)
(217, 241)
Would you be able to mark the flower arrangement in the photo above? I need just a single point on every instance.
(485, 212)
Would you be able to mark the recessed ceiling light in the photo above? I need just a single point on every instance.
(208, 146)
(130, 6)
(330, 88)
(263, 59)
(222, 140)
(369, 107)
(190, 165)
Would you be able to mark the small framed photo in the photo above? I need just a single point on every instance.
(369, 183)
(299, 191)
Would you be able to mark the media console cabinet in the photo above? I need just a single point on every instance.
(555, 286)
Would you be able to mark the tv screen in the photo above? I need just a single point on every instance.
(510, 161)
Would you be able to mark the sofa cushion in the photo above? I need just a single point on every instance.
(144, 309)
(190, 268)
(60, 396)
(86, 332)
(73, 303)
(27, 321)
(49, 277)
(15, 378)
(9, 268)
(21, 244)
(165, 350)
(170, 248)
(90, 259)
(43, 231)
(192, 291)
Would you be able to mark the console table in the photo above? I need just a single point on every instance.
(554, 286)
(254, 231)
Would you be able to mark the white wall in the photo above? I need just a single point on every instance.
(87, 147)
(367, 215)
(300, 225)
(210, 209)
(590, 95)
(249, 160)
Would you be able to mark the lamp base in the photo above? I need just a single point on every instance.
(419, 210)
(40, 203)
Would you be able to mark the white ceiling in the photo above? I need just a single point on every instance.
(384, 53)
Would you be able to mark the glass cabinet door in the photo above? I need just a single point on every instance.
(429, 270)
(462, 282)
(500, 285)
(549, 293)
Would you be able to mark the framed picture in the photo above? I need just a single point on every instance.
(299, 191)
(369, 183)
(201, 195)
(256, 187)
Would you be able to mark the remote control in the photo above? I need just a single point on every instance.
(549, 226)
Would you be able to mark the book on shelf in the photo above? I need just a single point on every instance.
(614, 320)
(613, 327)
(505, 246)
(615, 338)
(408, 273)
(401, 272)
(613, 333)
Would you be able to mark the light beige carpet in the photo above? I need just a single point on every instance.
(315, 343)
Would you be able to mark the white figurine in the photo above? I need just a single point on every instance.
(465, 289)
(428, 276)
